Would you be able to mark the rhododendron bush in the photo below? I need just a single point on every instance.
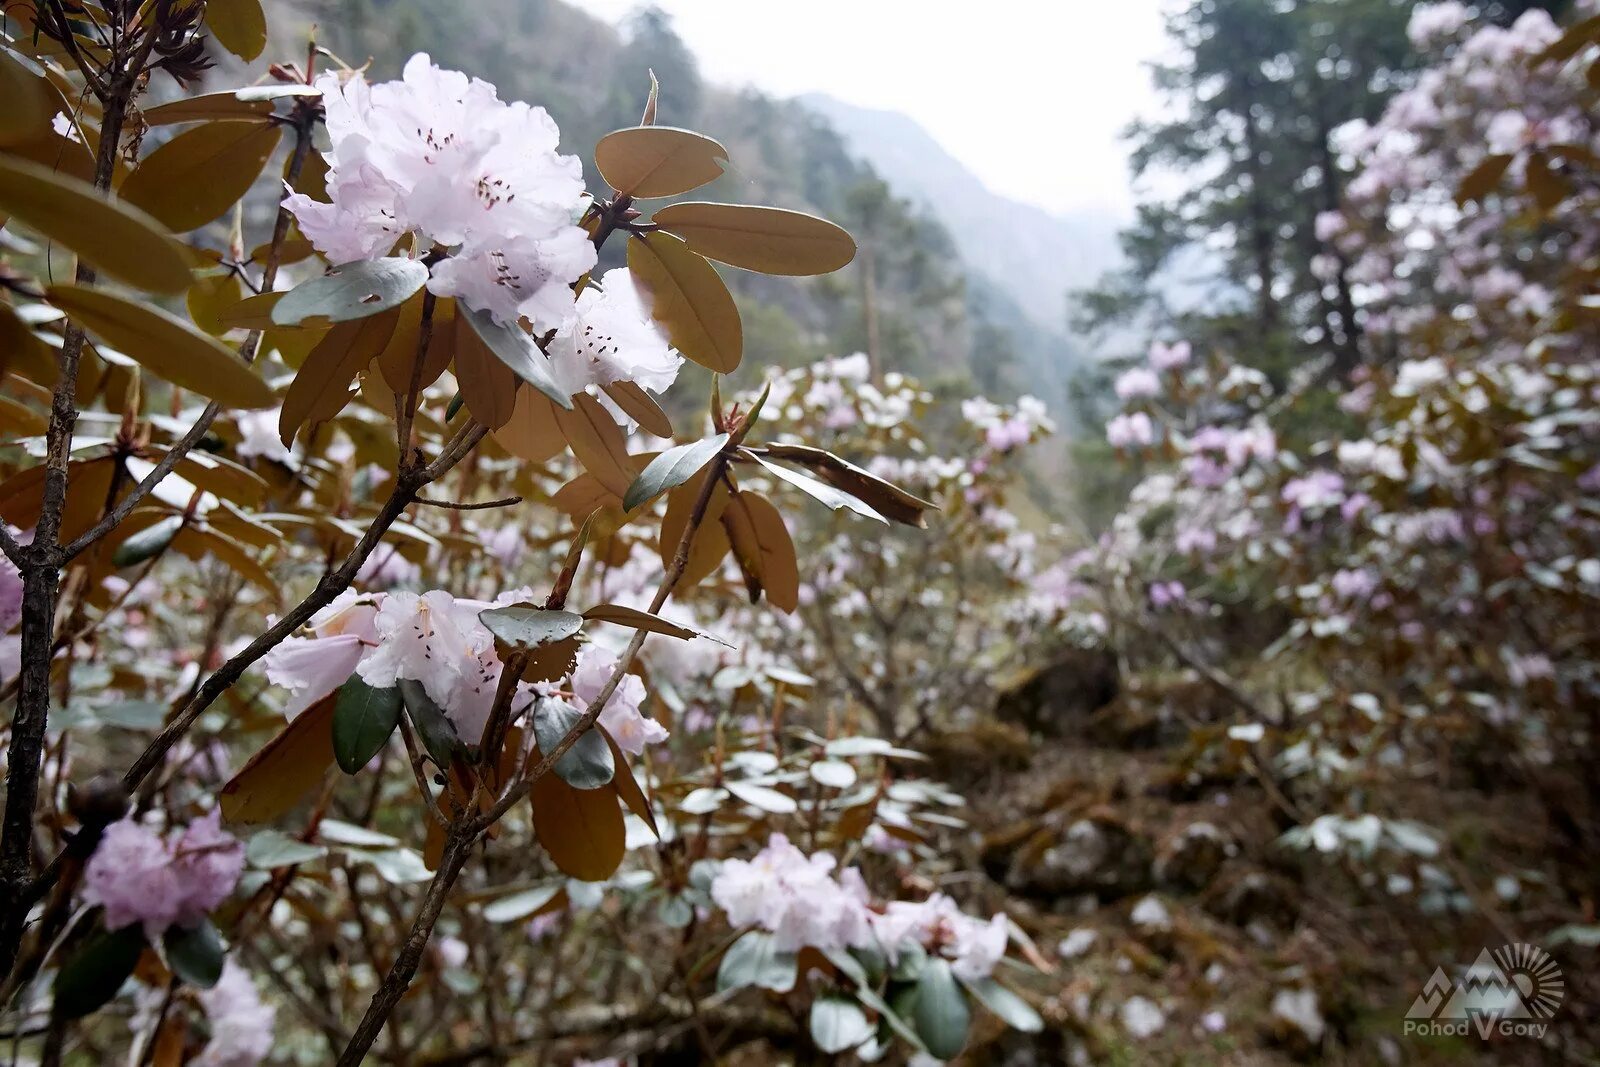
(1423, 574)
(389, 673)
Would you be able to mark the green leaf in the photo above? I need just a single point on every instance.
(525, 904)
(821, 491)
(941, 1014)
(838, 1023)
(363, 720)
(133, 714)
(526, 626)
(97, 970)
(120, 240)
(754, 960)
(274, 848)
(588, 763)
(433, 725)
(512, 346)
(147, 542)
(352, 291)
(1011, 1008)
(195, 954)
(166, 345)
(896, 1022)
(671, 469)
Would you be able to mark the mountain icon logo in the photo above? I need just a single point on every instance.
(1512, 990)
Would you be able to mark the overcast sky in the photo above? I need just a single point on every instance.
(1030, 94)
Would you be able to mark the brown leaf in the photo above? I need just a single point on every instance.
(710, 544)
(581, 829)
(322, 387)
(766, 239)
(399, 356)
(240, 26)
(284, 770)
(88, 484)
(763, 549)
(649, 161)
(200, 174)
(883, 497)
(690, 299)
(628, 786)
(488, 386)
(598, 443)
(639, 406)
(532, 433)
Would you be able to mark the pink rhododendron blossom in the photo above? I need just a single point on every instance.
(1131, 430)
(622, 719)
(241, 1023)
(138, 876)
(1165, 356)
(795, 897)
(612, 338)
(439, 155)
(973, 946)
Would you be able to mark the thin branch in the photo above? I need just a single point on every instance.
(482, 505)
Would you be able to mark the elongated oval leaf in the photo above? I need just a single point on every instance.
(628, 786)
(516, 907)
(1012, 1009)
(488, 387)
(582, 829)
(513, 347)
(532, 434)
(122, 241)
(647, 161)
(438, 734)
(208, 107)
(321, 388)
(941, 1014)
(690, 299)
(671, 469)
(352, 291)
(884, 497)
(622, 615)
(363, 720)
(838, 1023)
(639, 406)
(766, 239)
(526, 626)
(30, 101)
(240, 26)
(147, 542)
(166, 345)
(756, 960)
(284, 770)
(201, 173)
(598, 443)
(764, 550)
(195, 953)
(821, 491)
(764, 797)
(97, 970)
(588, 763)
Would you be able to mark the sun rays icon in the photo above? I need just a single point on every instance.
(1536, 976)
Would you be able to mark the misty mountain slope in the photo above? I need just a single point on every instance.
(1034, 255)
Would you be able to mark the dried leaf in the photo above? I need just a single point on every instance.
(649, 161)
(200, 174)
(764, 550)
(689, 298)
(598, 443)
(322, 387)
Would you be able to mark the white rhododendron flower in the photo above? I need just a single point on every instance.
(440, 155)
(795, 897)
(611, 339)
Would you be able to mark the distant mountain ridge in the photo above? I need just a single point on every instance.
(1034, 255)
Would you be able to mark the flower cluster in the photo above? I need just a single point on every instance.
(241, 1022)
(795, 897)
(437, 640)
(140, 877)
(799, 900)
(441, 156)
